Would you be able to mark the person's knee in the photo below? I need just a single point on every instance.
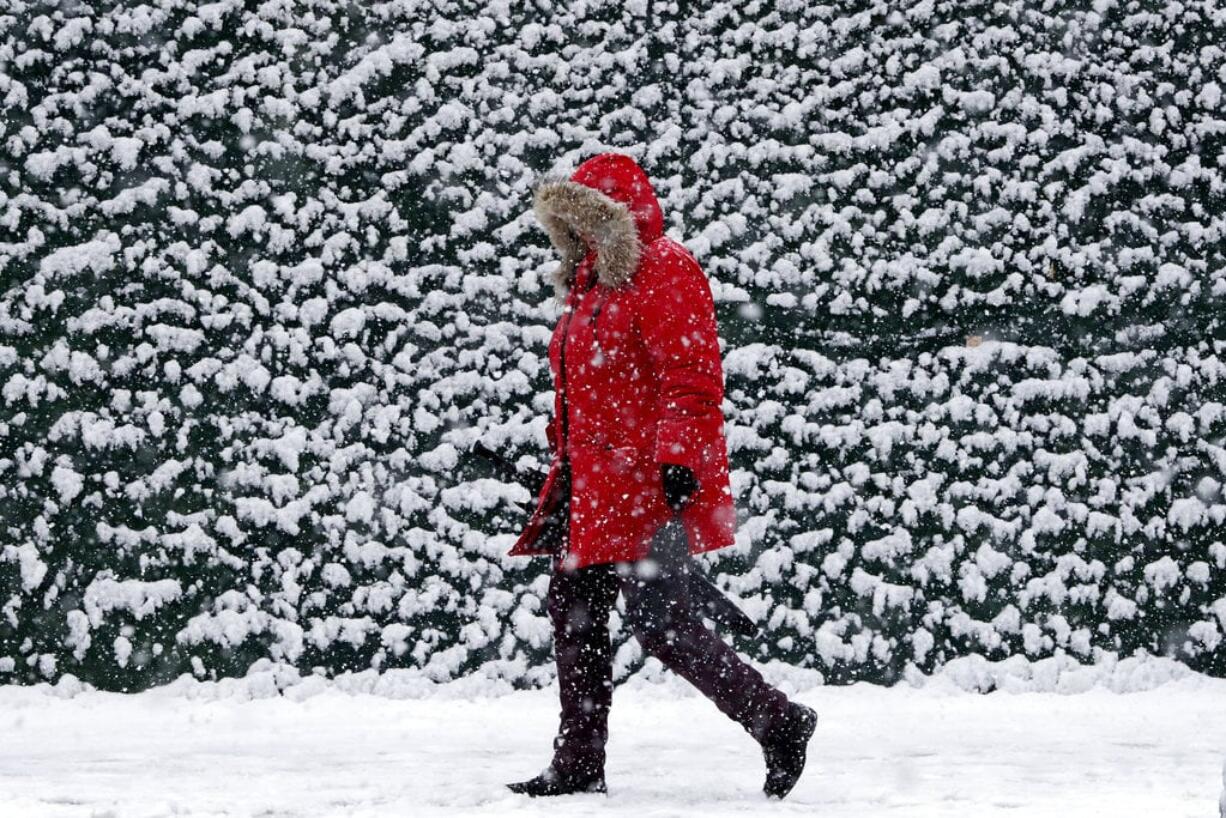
(576, 619)
(653, 636)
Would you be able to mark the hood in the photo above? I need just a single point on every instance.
(608, 199)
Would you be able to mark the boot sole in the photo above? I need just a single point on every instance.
(590, 789)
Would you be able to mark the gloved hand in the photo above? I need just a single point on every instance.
(680, 484)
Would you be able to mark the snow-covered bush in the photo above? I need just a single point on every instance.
(267, 270)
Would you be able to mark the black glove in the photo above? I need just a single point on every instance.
(679, 484)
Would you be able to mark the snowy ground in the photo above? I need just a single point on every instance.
(905, 751)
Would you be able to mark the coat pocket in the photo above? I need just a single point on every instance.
(636, 480)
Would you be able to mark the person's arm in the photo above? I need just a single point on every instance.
(676, 321)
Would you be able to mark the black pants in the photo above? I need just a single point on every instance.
(658, 610)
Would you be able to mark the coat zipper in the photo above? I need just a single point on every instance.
(572, 307)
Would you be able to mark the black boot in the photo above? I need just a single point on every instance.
(784, 747)
(552, 782)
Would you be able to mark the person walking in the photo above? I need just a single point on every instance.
(637, 445)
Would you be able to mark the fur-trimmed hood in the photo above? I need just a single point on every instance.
(609, 200)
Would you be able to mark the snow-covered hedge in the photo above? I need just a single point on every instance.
(267, 270)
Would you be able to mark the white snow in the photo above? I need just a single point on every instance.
(333, 749)
(140, 598)
(97, 256)
(272, 331)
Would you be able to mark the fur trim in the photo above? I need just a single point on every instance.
(567, 210)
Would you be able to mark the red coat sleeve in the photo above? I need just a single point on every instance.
(676, 321)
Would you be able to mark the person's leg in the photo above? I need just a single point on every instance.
(659, 611)
(579, 603)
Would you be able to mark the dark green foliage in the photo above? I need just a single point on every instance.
(967, 261)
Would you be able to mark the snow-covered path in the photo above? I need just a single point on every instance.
(894, 752)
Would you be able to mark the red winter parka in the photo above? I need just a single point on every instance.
(643, 381)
